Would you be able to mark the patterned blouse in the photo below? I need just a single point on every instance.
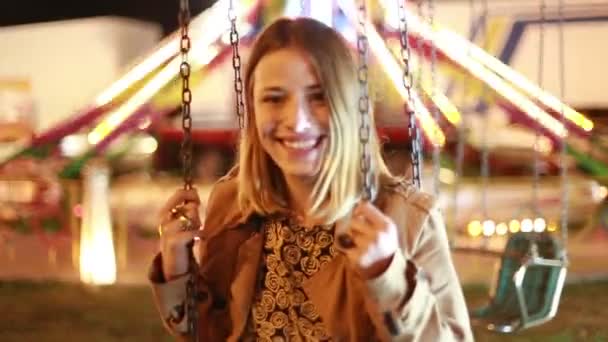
(292, 253)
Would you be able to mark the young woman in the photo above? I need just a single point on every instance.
(271, 265)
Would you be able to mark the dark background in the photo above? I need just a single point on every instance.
(16, 12)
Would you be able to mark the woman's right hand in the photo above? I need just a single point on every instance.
(175, 235)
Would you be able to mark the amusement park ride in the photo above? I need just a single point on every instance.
(408, 54)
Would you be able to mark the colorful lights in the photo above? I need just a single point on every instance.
(502, 81)
(203, 52)
(489, 228)
(474, 228)
(517, 79)
(514, 226)
(502, 228)
(393, 72)
(169, 48)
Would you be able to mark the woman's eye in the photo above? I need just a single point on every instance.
(272, 99)
(317, 97)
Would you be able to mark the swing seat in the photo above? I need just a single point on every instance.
(528, 287)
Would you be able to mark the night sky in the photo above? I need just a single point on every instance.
(15, 12)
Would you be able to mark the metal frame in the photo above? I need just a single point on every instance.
(518, 278)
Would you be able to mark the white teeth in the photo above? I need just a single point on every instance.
(301, 144)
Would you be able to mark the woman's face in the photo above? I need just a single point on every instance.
(291, 112)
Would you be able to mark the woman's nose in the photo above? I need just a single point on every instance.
(299, 117)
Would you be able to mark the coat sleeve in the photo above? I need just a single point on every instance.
(170, 296)
(170, 299)
(419, 294)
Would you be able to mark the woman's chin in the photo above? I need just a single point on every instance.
(305, 171)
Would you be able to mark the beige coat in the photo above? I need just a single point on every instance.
(420, 290)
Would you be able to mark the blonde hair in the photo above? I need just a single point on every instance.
(339, 184)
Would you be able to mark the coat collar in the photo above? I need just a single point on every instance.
(226, 213)
(244, 283)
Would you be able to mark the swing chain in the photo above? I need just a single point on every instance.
(418, 44)
(186, 151)
(485, 151)
(184, 69)
(364, 102)
(562, 159)
(407, 82)
(236, 65)
(434, 109)
(462, 130)
(540, 81)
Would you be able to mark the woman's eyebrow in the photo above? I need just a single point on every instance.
(272, 88)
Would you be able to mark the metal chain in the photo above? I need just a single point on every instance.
(461, 133)
(302, 7)
(409, 106)
(419, 46)
(236, 65)
(363, 77)
(434, 109)
(186, 152)
(485, 159)
(540, 80)
(562, 159)
(184, 69)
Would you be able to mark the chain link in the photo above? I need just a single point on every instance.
(461, 130)
(409, 106)
(562, 160)
(363, 78)
(418, 45)
(186, 152)
(485, 153)
(236, 66)
(540, 81)
(184, 70)
(434, 109)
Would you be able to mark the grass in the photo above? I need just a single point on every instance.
(582, 316)
(63, 312)
(71, 312)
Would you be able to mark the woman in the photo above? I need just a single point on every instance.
(271, 267)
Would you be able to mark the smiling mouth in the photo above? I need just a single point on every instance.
(301, 144)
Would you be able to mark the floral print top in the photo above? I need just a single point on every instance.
(292, 253)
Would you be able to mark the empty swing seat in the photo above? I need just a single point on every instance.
(528, 287)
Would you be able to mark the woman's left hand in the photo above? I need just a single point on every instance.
(375, 238)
